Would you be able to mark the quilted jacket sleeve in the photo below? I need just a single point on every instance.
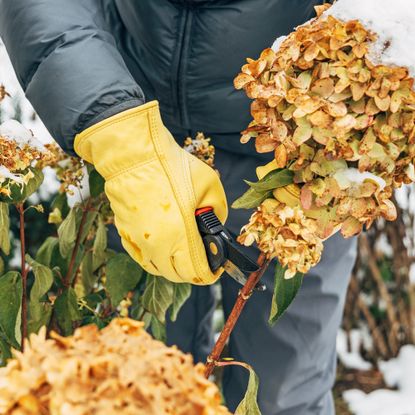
(67, 63)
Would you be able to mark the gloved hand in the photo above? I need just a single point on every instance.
(154, 187)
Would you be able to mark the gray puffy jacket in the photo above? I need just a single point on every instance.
(80, 61)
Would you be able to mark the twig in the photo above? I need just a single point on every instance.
(393, 335)
(378, 341)
(20, 209)
(243, 297)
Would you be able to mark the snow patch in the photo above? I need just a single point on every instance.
(352, 359)
(392, 21)
(347, 177)
(398, 373)
(14, 131)
(278, 42)
(5, 173)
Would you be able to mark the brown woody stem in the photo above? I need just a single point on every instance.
(20, 209)
(243, 297)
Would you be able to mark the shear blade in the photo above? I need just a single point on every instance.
(234, 272)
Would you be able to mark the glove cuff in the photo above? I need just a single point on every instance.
(120, 142)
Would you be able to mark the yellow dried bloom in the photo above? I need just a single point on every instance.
(201, 148)
(118, 370)
(285, 233)
(15, 158)
(69, 170)
(344, 126)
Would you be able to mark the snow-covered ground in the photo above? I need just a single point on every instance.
(352, 359)
(398, 373)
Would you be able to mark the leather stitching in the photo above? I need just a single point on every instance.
(132, 167)
(155, 138)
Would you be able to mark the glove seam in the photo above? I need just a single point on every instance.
(154, 127)
(185, 216)
(128, 169)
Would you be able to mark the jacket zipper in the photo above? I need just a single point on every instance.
(179, 69)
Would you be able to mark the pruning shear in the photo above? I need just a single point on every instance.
(222, 250)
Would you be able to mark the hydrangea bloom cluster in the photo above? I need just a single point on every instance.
(343, 125)
(118, 370)
(19, 151)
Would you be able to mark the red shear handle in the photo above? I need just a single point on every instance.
(200, 211)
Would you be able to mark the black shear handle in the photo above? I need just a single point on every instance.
(210, 228)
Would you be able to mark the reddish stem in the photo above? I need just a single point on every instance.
(20, 209)
(243, 297)
(223, 363)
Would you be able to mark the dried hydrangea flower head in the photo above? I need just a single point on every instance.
(284, 233)
(119, 370)
(344, 126)
(69, 170)
(19, 151)
(201, 148)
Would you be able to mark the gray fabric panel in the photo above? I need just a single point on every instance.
(67, 63)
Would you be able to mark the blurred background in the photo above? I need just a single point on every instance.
(376, 345)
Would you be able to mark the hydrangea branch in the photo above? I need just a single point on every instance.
(244, 295)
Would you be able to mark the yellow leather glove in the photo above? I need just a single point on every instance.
(154, 187)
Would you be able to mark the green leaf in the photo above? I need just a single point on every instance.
(251, 199)
(96, 183)
(87, 275)
(181, 292)
(39, 311)
(284, 293)
(89, 221)
(44, 253)
(100, 244)
(39, 315)
(19, 192)
(1, 266)
(67, 311)
(123, 274)
(158, 296)
(11, 289)
(61, 204)
(43, 279)
(4, 228)
(158, 329)
(249, 404)
(67, 233)
(5, 352)
(95, 298)
(273, 180)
